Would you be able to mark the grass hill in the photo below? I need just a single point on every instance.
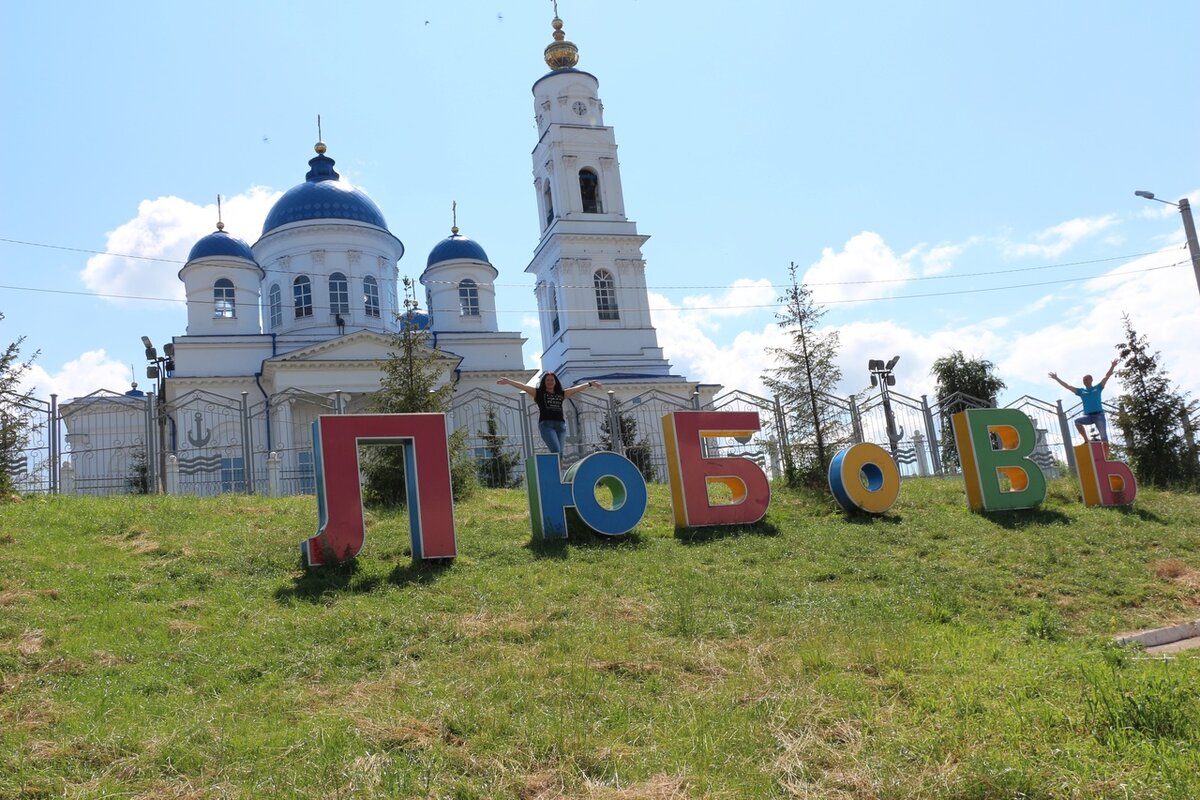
(171, 647)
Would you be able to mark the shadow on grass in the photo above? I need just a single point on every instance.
(1020, 518)
(1140, 513)
(716, 533)
(580, 536)
(872, 519)
(315, 583)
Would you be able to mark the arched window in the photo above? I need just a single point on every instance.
(339, 294)
(302, 296)
(606, 294)
(371, 296)
(275, 300)
(549, 203)
(552, 307)
(468, 298)
(589, 191)
(223, 299)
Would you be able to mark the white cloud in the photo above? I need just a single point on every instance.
(1058, 239)
(166, 228)
(851, 275)
(745, 296)
(90, 371)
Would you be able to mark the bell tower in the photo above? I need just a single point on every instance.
(590, 274)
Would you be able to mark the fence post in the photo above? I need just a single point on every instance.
(172, 474)
(785, 442)
(68, 479)
(154, 465)
(1065, 428)
(526, 428)
(919, 442)
(931, 433)
(247, 450)
(56, 443)
(855, 420)
(614, 424)
(273, 485)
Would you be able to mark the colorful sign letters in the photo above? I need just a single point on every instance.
(340, 532)
(691, 474)
(550, 497)
(863, 477)
(1103, 482)
(994, 445)
(987, 468)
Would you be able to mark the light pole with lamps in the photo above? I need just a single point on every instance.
(1189, 228)
(158, 368)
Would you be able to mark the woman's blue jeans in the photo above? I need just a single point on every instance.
(554, 434)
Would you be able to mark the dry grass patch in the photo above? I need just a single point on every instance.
(183, 627)
(408, 733)
(30, 643)
(10, 597)
(628, 669)
(659, 787)
(483, 624)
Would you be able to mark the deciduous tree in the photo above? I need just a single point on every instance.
(962, 383)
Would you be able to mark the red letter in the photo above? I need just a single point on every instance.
(340, 534)
(690, 473)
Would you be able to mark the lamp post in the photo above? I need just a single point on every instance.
(881, 376)
(1189, 228)
(158, 368)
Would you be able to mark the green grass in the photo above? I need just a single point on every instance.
(158, 647)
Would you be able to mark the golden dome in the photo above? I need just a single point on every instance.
(320, 148)
(561, 54)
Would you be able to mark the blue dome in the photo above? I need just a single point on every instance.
(456, 247)
(220, 243)
(416, 319)
(323, 195)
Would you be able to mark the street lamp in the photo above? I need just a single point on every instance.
(1189, 228)
(158, 369)
(881, 376)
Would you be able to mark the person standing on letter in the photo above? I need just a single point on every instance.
(1093, 408)
(549, 396)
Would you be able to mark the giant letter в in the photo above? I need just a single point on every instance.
(690, 473)
(983, 465)
(1103, 482)
(340, 533)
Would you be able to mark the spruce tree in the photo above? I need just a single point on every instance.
(1150, 416)
(639, 451)
(412, 384)
(496, 469)
(804, 377)
(14, 421)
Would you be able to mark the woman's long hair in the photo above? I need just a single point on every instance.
(558, 387)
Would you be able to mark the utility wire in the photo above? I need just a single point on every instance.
(723, 306)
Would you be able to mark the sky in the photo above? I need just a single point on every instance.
(945, 175)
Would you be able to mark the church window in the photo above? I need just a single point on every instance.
(302, 296)
(589, 191)
(468, 298)
(552, 307)
(275, 299)
(549, 204)
(371, 296)
(223, 299)
(339, 294)
(606, 294)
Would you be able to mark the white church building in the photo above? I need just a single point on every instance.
(299, 323)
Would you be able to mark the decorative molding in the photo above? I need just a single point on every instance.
(318, 257)
(353, 256)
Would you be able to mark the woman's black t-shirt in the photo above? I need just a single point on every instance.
(549, 405)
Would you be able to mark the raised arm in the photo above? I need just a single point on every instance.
(580, 388)
(1062, 383)
(524, 387)
(1108, 374)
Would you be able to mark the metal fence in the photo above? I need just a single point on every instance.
(207, 444)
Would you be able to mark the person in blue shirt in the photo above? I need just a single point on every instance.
(1093, 408)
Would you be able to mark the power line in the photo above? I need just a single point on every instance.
(775, 287)
(981, 290)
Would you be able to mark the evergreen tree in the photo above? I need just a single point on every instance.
(412, 384)
(496, 467)
(804, 377)
(1150, 415)
(14, 421)
(962, 383)
(640, 452)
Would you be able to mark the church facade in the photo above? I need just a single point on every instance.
(299, 323)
